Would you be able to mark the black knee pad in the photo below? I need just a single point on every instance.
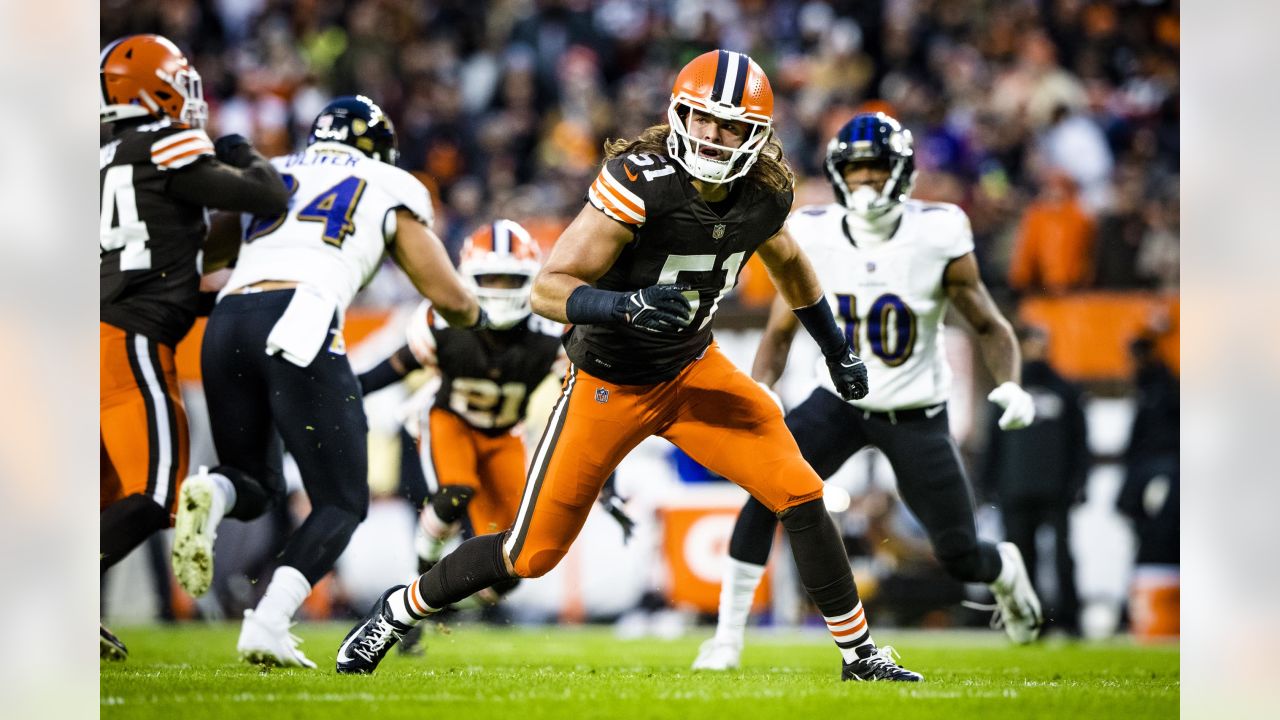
(450, 503)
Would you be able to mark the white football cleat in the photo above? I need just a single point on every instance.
(264, 643)
(200, 509)
(718, 656)
(1019, 605)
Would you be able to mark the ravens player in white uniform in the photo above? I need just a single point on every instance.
(273, 358)
(890, 266)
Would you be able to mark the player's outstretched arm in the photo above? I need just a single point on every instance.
(239, 179)
(585, 251)
(421, 254)
(969, 296)
(999, 347)
(798, 287)
(775, 344)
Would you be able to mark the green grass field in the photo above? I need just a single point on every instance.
(191, 672)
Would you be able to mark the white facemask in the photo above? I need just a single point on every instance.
(862, 199)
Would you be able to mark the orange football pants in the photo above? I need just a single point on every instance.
(143, 436)
(711, 410)
(491, 466)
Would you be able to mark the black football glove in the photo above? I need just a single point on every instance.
(234, 150)
(849, 374)
(482, 321)
(615, 506)
(657, 309)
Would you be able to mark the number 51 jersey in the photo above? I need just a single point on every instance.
(341, 217)
(888, 296)
(678, 239)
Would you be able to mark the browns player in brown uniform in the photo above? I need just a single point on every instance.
(671, 219)
(470, 434)
(158, 172)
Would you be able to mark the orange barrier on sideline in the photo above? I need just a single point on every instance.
(1154, 602)
(1089, 333)
(695, 543)
(360, 323)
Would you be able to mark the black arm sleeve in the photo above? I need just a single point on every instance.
(389, 371)
(257, 189)
(821, 326)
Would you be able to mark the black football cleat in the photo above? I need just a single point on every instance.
(412, 645)
(370, 641)
(109, 646)
(880, 664)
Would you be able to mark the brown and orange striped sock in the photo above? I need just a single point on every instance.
(851, 632)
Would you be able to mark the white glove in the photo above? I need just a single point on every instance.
(772, 396)
(418, 335)
(1019, 407)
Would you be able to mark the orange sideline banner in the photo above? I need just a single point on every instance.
(1089, 333)
(695, 543)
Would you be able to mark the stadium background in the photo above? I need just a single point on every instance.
(1054, 124)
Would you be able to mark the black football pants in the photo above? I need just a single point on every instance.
(931, 481)
(317, 411)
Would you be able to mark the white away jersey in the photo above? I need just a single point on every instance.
(888, 297)
(341, 217)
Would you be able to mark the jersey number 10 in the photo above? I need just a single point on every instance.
(891, 327)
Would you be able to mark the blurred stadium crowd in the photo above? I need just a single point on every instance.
(1054, 123)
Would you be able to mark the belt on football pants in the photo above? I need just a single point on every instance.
(908, 415)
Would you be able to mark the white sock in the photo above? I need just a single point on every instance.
(224, 497)
(737, 588)
(1004, 580)
(284, 596)
(433, 534)
(407, 605)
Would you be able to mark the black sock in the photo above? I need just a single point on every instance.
(820, 558)
(124, 524)
(473, 566)
(253, 497)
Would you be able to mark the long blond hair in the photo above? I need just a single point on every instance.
(770, 169)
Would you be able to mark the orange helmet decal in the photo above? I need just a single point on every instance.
(148, 76)
(728, 79)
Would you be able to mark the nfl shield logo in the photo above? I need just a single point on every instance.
(602, 395)
(717, 232)
(871, 267)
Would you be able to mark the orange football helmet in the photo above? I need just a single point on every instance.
(730, 86)
(501, 248)
(148, 76)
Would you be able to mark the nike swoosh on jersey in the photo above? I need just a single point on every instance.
(934, 411)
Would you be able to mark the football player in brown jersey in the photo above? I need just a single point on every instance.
(159, 171)
(469, 429)
(669, 223)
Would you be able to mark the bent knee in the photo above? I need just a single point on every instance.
(537, 563)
